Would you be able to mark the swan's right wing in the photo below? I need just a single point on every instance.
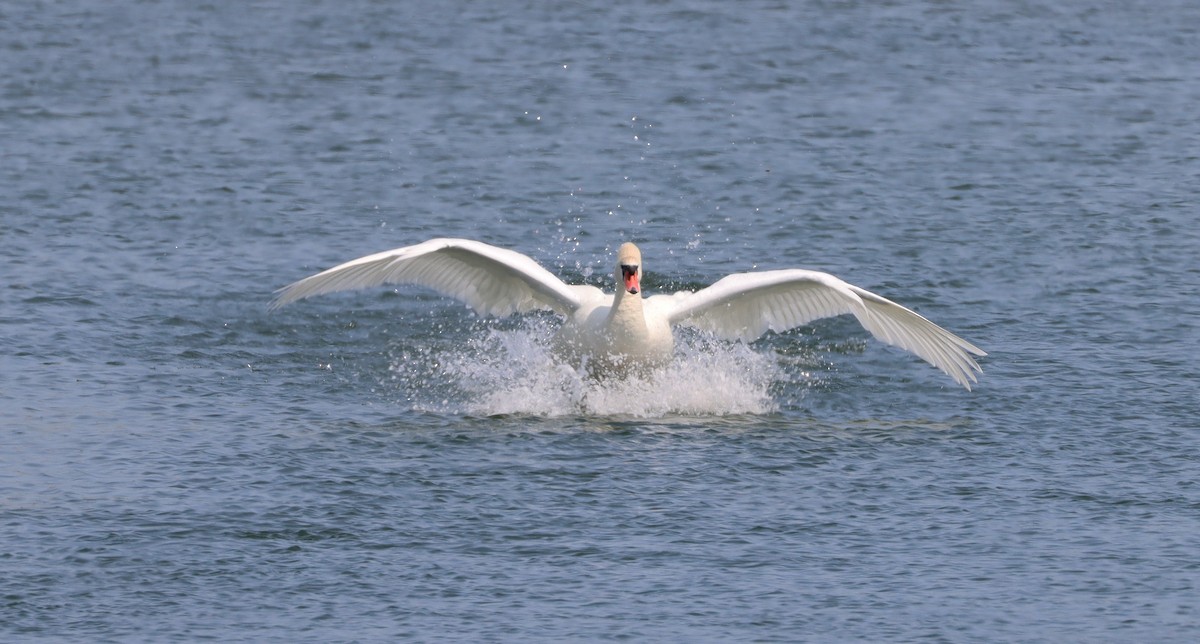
(746, 305)
(491, 280)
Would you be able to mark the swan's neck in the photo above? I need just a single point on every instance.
(626, 320)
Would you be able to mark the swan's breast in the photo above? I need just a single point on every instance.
(604, 339)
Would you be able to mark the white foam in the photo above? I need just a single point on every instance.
(512, 371)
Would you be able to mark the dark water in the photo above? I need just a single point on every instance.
(178, 464)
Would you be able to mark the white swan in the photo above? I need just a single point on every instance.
(609, 330)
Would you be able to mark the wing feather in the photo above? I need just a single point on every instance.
(491, 280)
(746, 305)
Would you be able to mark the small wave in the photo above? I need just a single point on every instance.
(513, 372)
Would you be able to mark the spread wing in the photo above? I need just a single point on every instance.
(491, 280)
(746, 305)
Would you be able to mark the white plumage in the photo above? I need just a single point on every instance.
(624, 329)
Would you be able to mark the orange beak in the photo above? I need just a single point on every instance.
(631, 278)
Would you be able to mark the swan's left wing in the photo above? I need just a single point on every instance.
(491, 280)
(746, 305)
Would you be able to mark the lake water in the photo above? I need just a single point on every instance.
(178, 464)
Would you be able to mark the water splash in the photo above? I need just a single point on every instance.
(512, 371)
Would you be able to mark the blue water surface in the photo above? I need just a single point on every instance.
(179, 464)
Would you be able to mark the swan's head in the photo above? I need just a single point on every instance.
(629, 268)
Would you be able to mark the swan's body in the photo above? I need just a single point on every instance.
(626, 329)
